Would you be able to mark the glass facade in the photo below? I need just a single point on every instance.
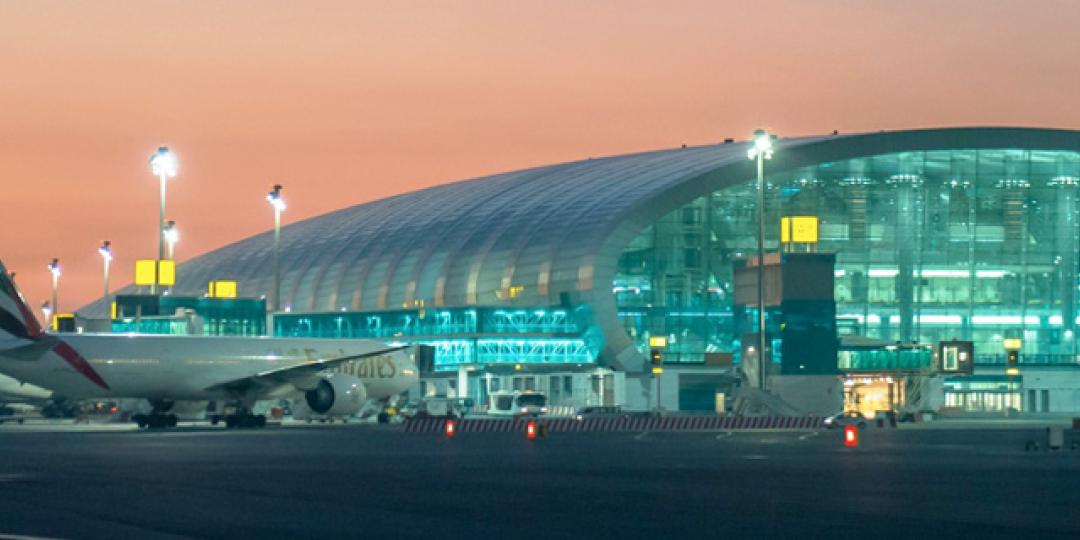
(957, 244)
(190, 315)
(983, 393)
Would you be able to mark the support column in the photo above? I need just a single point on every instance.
(462, 382)
(907, 229)
(1066, 250)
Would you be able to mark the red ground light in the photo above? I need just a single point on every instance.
(451, 428)
(851, 436)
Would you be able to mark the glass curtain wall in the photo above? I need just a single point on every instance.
(964, 244)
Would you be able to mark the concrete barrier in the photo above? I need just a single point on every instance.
(620, 424)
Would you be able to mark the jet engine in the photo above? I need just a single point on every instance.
(337, 394)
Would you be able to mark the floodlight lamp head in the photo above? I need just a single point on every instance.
(106, 251)
(762, 145)
(54, 267)
(163, 163)
(274, 198)
(172, 234)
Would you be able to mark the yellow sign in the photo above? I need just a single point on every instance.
(658, 342)
(145, 275)
(222, 288)
(1013, 344)
(510, 292)
(1012, 372)
(656, 370)
(167, 272)
(56, 320)
(799, 229)
(144, 272)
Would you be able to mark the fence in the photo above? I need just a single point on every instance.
(620, 423)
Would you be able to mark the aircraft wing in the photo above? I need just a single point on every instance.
(295, 375)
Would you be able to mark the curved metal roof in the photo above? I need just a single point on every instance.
(459, 243)
(555, 231)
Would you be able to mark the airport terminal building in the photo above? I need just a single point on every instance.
(933, 235)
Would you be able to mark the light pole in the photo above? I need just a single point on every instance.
(164, 165)
(172, 235)
(54, 269)
(760, 151)
(46, 310)
(275, 200)
(106, 257)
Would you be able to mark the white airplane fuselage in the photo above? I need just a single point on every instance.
(185, 368)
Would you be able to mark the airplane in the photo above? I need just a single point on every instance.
(12, 390)
(18, 400)
(183, 372)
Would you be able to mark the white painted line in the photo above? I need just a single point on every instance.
(805, 436)
(12, 477)
(724, 435)
(641, 436)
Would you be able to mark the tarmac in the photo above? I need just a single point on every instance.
(305, 481)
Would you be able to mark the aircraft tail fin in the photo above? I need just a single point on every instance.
(16, 318)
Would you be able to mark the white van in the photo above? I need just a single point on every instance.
(506, 403)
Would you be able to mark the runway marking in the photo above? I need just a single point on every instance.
(755, 457)
(13, 477)
(641, 436)
(23, 537)
(805, 436)
(724, 435)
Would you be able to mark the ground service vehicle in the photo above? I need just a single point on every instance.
(507, 403)
(848, 418)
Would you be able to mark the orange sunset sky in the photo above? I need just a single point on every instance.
(349, 101)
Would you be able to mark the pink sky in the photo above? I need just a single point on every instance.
(349, 101)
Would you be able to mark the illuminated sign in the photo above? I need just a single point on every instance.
(144, 272)
(222, 288)
(167, 272)
(799, 229)
(145, 275)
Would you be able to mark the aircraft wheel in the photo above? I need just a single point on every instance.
(170, 420)
(260, 421)
(230, 421)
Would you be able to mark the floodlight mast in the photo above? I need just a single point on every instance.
(164, 165)
(275, 200)
(54, 269)
(172, 236)
(761, 150)
(106, 257)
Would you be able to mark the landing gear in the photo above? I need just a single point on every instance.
(155, 420)
(245, 420)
